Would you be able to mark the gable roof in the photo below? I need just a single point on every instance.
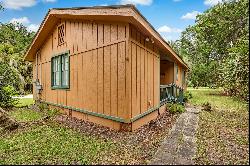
(124, 13)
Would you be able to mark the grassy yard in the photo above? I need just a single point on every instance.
(51, 144)
(24, 115)
(223, 136)
(48, 137)
(24, 102)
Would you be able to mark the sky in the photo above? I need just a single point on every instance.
(168, 17)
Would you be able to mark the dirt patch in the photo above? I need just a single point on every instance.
(6, 123)
(136, 147)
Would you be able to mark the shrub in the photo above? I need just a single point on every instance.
(42, 106)
(6, 93)
(175, 108)
(187, 96)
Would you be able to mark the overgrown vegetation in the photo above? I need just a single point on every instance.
(187, 96)
(222, 137)
(217, 48)
(6, 93)
(174, 108)
(15, 73)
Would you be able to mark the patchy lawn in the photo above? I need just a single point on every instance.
(222, 136)
(24, 115)
(23, 102)
(51, 144)
(59, 139)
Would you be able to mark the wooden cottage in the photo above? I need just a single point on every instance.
(105, 65)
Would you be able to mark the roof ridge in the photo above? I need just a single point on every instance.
(96, 7)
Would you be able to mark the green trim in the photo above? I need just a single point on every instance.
(60, 86)
(65, 52)
(89, 112)
(145, 113)
(114, 118)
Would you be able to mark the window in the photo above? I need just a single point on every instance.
(61, 34)
(176, 72)
(60, 71)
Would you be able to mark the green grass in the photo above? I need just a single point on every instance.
(222, 136)
(51, 144)
(25, 115)
(24, 102)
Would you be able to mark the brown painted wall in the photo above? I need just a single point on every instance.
(167, 72)
(145, 74)
(97, 67)
(179, 82)
(113, 70)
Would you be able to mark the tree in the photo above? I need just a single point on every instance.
(14, 40)
(216, 47)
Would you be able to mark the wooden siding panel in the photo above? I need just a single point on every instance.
(100, 34)
(88, 32)
(114, 32)
(94, 34)
(146, 81)
(107, 29)
(128, 67)
(134, 101)
(107, 80)
(114, 80)
(121, 31)
(138, 79)
(94, 80)
(79, 80)
(75, 81)
(142, 81)
(149, 79)
(100, 75)
(88, 58)
(121, 80)
(84, 36)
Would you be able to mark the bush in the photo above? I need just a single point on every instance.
(6, 93)
(187, 96)
(43, 107)
(175, 108)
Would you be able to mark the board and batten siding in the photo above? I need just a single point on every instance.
(113, 70)
(97, 53)
(145, 74)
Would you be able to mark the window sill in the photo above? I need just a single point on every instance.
(60, 87)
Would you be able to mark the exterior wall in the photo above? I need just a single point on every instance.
(179, 81)
(97, 67)
(167, 68)
(144, 75)
(113, 72)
